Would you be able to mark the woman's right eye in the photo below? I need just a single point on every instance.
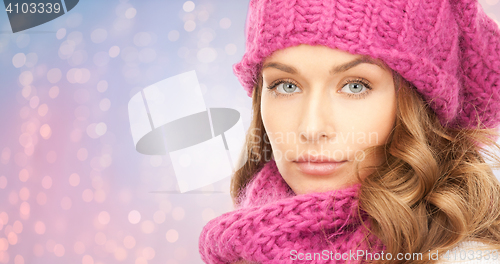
(284, 88)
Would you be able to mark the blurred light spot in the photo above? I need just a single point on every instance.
(76, 75)
(3, 182)
(19, 259)
(66, 203)
(51, 156)
(142, 39)
(38, 250)
(130, 13)
(39, 227)
(100, 238)
(41, 198)
(111, 246)
(87, 195)
(203, 15)
(129, 242)
(147, 227)
(17, 227)
(13, 197)
(24, 210)
(19, 60)
(178, 213)
(172, 235)
(49, 245)
(141, 260)
(87, 259)
(45, 131)
(74, 179)
(102, 86)
(26, 78)
(173, 35)
(26, 91)
(120, 254)
(148, 253)
(165, 206)
(129, 54)
(43, 109)
(4, 244)
(101, 58)
(78, 57)
(104, 104)
(12, 238)
(180, 253)
(101, 128)
(66, 49)
(5, 157)
(47, 182)
(134, 217)
(81, 155)
(225, 23)
(34, 101)
(82, 112)
(21, 159)
(76, 36)
(76, 135)
(99, 35)
(31, 59)
(25, 140)
(54, 75)
(188, 6)
(54, 92)
(97, 182)
(206, 55)
(114, 51)
(190, 25)
(81, 96)
(99, 196)
(61, 33)
(24, 112)
(230, 49)
(147, 55)
(22, 41)
(24, 194)
(59, 250)
(79, 248)
(492, 2)
(103, 218)
(23, 175)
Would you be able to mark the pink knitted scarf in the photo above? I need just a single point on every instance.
(273, 225)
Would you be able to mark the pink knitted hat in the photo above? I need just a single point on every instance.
(448, 49)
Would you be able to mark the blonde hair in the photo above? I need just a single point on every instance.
(434, 190)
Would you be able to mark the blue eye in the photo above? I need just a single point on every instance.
(358, 88)
(283, 88)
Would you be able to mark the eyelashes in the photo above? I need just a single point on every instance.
(276, 85)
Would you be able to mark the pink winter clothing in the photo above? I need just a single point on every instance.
(273, 225)
(448, 49)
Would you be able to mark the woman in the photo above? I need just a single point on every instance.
(372, 121)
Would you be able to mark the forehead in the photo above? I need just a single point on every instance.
(306, 55)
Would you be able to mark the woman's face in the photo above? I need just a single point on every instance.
(322, 104)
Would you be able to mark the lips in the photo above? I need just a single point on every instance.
(316, 158)
(319, 168)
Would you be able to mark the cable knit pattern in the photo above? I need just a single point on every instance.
(272, 221)
(448, 49)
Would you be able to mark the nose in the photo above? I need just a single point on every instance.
(316, 117)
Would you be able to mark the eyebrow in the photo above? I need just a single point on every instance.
(337, 69)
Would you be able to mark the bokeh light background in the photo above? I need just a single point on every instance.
(72, 187)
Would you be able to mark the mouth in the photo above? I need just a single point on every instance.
(319, 168)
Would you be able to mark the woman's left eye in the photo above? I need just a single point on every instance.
(357, 88)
